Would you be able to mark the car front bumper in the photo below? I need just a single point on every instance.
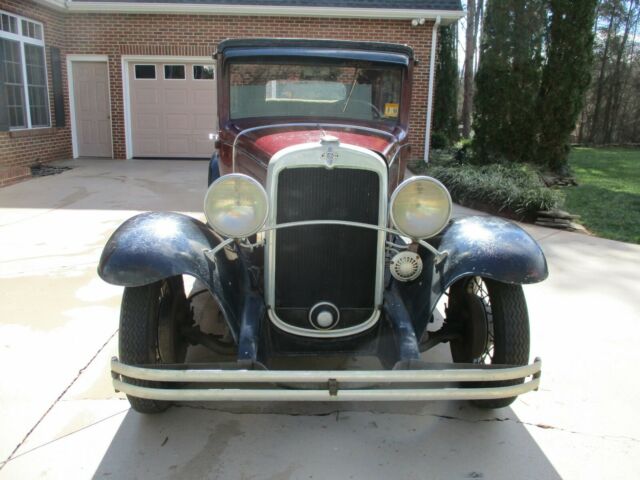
(429, 382)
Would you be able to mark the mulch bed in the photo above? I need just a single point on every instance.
(46, 170)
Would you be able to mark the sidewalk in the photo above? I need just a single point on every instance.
(61, 418)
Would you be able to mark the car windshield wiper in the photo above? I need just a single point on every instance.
(353, 86)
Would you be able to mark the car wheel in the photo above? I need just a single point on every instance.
(495, 324)
(150, 320)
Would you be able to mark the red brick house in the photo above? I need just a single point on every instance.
(127, 79)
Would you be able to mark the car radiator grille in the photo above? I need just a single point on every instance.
(326, 263)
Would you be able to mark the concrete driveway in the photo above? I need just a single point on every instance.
(61, 419)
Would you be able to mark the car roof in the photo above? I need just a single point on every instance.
(328, 49)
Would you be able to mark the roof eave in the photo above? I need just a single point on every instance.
(446, 16)
(59, 5)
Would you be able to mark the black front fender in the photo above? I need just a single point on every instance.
(492, 248)
(488, 247)
(156, 245)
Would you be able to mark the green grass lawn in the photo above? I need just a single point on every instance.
(608, 195)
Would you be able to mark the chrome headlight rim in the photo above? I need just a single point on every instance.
(250, 180)
(409, 181)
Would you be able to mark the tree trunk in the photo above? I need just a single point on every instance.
(613, 99)
(469, 54)
(595, 120)
(625, 99)
(476, 30)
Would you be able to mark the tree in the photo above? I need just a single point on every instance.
(617, 76)
(603, 65)
(612, 110)
(445, 109)
(470, 48)
(508, 80)
(565, 78)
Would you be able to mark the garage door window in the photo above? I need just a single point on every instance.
(203, 72)
(145, 72)
(174, 72)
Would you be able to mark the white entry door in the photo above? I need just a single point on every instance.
(92, 109)
(173, 109)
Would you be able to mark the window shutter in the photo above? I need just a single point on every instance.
(58, 96)
(4, 112)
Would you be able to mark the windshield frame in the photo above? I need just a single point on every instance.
(402, 65)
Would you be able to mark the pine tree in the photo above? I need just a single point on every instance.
(508, 80)
(445, 105)
(565, 78)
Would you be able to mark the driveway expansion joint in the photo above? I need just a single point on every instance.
(542, 426)
(55, 402)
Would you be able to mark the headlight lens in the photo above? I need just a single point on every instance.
(236, 206)
(420, 207)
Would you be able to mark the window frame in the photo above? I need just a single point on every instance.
(155, 72)
(193, 73)
(164, 71)
(22, 40)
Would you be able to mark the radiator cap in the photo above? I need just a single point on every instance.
(328, 139)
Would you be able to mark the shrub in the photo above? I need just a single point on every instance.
(508, 188)
(439, 141)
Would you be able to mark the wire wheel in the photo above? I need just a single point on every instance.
(494, 323)
(478, 288)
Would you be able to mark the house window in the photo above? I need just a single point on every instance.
(8, 23)
(23, 61)
(174, 72)
(145, 72)
(203, 72)
(31, 30)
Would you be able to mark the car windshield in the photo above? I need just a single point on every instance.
(370, 93)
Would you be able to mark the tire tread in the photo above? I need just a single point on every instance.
(511, 333)
(134, 338)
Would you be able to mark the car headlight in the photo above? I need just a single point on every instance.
(236, 206)
(420, 207)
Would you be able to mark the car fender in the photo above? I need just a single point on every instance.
(214, 168)
(490, 247)
(482, 246)
(156, 245)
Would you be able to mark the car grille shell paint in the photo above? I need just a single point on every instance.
(325, 262)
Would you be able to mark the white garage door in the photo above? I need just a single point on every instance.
(173, 109)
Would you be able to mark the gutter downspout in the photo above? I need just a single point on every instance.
(432, 77)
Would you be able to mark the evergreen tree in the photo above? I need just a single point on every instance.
(565, 78)
(445, 105)
(508, 80)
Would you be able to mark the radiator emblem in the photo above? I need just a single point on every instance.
(330, 155)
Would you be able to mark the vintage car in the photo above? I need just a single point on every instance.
(317, 246)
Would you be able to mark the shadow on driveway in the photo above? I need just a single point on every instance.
(433, 440)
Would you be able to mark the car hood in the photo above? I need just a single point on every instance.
(263, 144)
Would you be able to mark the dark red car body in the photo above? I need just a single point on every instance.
(256, 148)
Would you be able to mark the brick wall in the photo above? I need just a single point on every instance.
(190, 35)
(20, 149)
